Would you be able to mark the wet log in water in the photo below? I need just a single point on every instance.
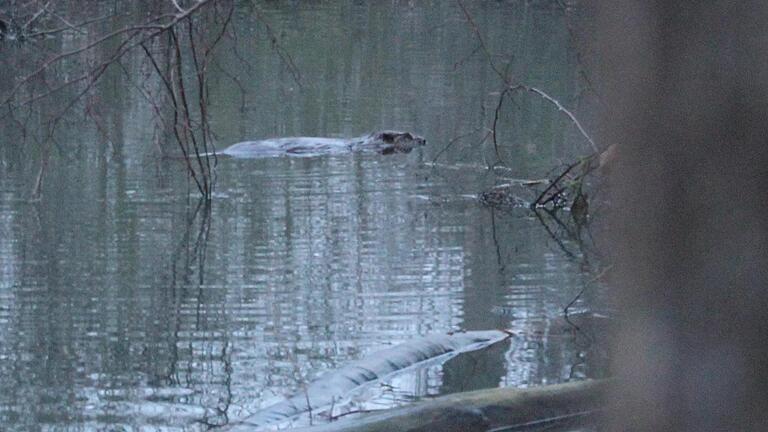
(333, 387)
(484, 410)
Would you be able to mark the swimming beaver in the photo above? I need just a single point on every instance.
(384, 142)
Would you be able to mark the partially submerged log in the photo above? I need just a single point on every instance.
(484, 410)
(335, 386)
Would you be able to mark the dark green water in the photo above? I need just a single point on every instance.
(125, 306)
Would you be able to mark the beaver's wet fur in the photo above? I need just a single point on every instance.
(382, 142)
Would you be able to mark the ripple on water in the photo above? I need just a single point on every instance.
(123, 307)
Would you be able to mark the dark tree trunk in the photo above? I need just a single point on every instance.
(686, 84)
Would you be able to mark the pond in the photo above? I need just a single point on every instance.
(127, 304)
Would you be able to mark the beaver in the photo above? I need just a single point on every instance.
(383, 142)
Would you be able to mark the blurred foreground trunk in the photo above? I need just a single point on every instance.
(686, 86)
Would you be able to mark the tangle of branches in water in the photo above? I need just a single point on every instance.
(173, 36)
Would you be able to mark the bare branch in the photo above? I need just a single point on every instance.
(283, 54)
(510, 87)
(480, 40)
(176, 5)
(78, 27)
(156, 29)
(570, 115)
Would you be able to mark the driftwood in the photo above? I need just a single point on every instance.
(333, 387)
(485, 410)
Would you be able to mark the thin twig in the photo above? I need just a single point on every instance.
(188, 133)
(454, 141)
(65, 28)
(555, 182)
(510, 87)
(570, 115)
(583, 289)
(283, 54)
(35, 17)
(495, 123)
(554, 237)
(157, 30)
(480, 40)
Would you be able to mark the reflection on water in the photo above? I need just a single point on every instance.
(125, 304)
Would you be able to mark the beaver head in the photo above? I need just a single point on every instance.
(396, 142)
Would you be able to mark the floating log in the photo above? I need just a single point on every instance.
(335, 386)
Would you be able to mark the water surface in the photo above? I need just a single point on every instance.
(125, 304)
